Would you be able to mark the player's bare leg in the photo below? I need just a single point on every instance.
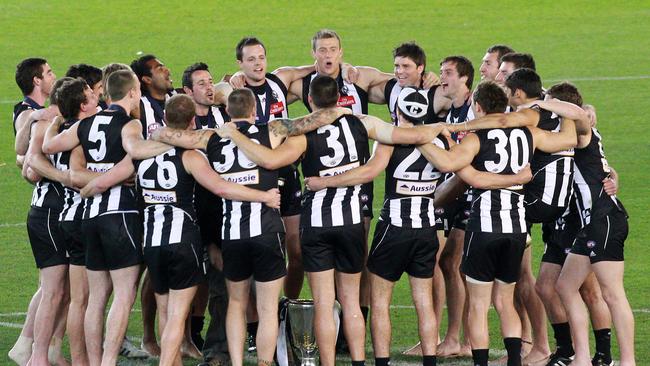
(455, 291)
(421, 292)
(52, 281)
(354, 326)
(54, 354)
(76, 312)
(267, 310)
(503, 300)
(125, 286)
(22, 349)
(364, 287)
(380, 326)
(479, 294)
(176, 306)
(238, 296)
(99, 290)
(148, 303)
(322, 289)
(295, 272)
(197, 314)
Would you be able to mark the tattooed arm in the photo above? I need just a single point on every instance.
(136, 146)
(186, 139)
(285, 127)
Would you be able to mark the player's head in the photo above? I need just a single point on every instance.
(106, 71)
(409, 61)
(566, 92)
(35, 73)
(456, 75)
(91, 74)
(153, 75)
(74, 97)
(412, 106)
(179, 112)
(198, 84)
(326, 50)
(523, 85)
(323, 92)
(489, 98)
(123, 85)
(251, 58)
(513, 61)
(491, 61)
(241, 105)
(54, 100)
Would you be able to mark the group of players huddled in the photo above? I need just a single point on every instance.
(116, 157)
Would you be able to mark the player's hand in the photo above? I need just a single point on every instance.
(273, 198)
(237, 80)
(591, 114)
(315, 184)
(430, 79)
(130, 181)
(349, 73)
(226, 131)
(86, 191)
(610, 185)
(524, 175)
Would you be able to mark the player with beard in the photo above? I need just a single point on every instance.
(492, 60)
(157, 87)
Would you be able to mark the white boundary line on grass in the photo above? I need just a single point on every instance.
(9, 224)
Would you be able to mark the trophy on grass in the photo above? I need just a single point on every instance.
(301, 319)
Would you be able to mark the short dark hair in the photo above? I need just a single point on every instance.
(140, 68)
(567, 92)
(108, 70)
(247, 41)
(324, 34)
(527, 81)
(413, 51)
(520, 60)
(119, 83)
(241, 103)
(491, 97)
(187, 74)
(500, 50)
(54, 98)
(463, 66)
(324, 91)
(26, 71)
(179, 111)
(91, 74)
(70, 96)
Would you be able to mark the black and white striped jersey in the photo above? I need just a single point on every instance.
(552, 173)
(350, 95)
(502, 151)
(591, 169)
(334, 149)
(152, 112)
(460, 114)
(20, 107)
(168, 194)
(242, 220)
(271, 99)
(48, 193)
(101, 140)
(72, 201)
(215, 118)
(391, 92)
(409, 188)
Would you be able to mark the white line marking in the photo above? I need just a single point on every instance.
(11, 325)
(13, 314)
(601, 78)
(7, 224)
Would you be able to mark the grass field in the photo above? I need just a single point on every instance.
(601, 46)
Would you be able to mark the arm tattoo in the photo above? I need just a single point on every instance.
(184, 138)
(310, 122)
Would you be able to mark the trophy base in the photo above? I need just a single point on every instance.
(308, 362)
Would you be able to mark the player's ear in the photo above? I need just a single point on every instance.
(146, 79)
(187, 91)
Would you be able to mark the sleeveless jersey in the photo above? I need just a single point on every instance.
(350, 95)
(502, 151)
(334, 149)
(72, 209)
(25, 104)
(271, 99)
(391, 93)
(552, 173)
(101, 140)
(152, 112)
(242, 220)
(410, 185)
(168, 193)
(591, 169)
(215, 118)
(460, 114)
(48, 193)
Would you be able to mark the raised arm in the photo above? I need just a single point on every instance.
(221, 92)
(196, 139)
(116, 175)
(522, 118)
(363, 174)
(386, 133)
(454, 159)
(487, 180)
(54, 142)
(198, 166)
(552, 142)
(136, 146)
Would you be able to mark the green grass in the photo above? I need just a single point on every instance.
(584, 41)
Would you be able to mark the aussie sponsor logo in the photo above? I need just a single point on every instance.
(245, 178)
(415, 188)
(338, 170)
(157, 197)
(99, 167)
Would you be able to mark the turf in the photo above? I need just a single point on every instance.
(602, 46)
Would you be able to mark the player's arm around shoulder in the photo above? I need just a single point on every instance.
(136, 146)
(119, 173)
(36, 159)
(487, 180)
(552, 142)
(457, 157)
(187, 139)
(54, 142)
(290, 74)
(374, 82)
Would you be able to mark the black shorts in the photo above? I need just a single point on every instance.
(209, 216)
(113, 241)
(558, 238)
(603, 239)
(290, 191)
(262, 257)
(453, 215)
(538, 211)
(396, 250)
(338, 247)
(175, 266)
(366, 196)
(71, 231)
(45, 237)
(493, 256)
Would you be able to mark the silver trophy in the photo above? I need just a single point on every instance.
(301, 318)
